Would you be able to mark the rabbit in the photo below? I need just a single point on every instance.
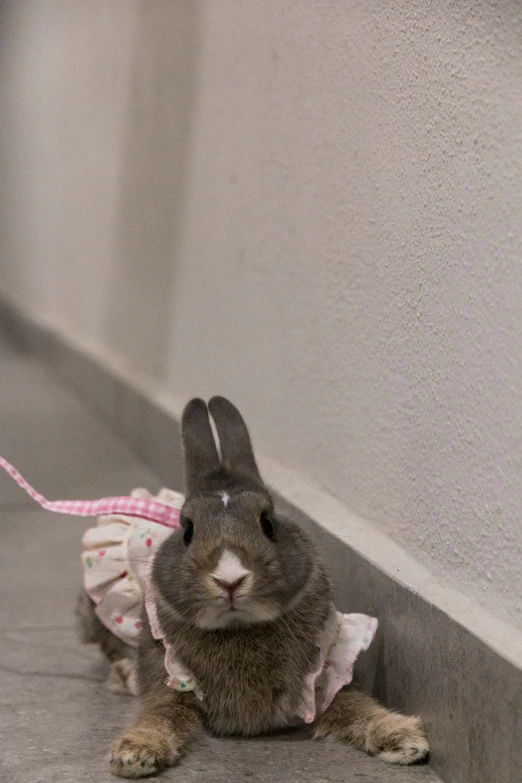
(237, 600)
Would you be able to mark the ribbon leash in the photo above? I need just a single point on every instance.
(153, 510)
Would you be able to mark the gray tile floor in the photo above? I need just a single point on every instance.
(56, 718)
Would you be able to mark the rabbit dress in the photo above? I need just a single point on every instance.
(117, 558)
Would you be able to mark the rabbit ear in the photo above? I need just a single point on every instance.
(199, 446)
(234, 440)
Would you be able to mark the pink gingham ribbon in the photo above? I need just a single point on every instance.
(152, 510)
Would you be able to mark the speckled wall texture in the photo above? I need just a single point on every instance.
(314, 207)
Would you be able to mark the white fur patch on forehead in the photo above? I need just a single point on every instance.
(230, 568)
(225, 497)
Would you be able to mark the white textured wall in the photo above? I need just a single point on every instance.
(313, 207)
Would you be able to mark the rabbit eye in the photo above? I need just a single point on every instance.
(267, 526)
(188, 532)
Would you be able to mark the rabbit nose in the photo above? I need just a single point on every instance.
(229, 587)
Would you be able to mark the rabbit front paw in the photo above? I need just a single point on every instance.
(397, 739)
(141, 752)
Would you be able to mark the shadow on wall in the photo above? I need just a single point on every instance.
(156, 156)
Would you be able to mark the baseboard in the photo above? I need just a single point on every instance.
(438, 654)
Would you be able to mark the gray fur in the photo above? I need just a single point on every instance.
(252, 672)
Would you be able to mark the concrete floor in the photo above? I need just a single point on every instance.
(56, 717)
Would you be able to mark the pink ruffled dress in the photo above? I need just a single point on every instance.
(116, 558)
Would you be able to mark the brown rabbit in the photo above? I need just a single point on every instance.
(241, 599)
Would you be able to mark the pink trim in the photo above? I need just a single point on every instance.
(153, 510)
